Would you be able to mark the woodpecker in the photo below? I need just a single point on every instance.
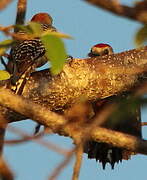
(128, 123)
(28, 54)
(100, 50)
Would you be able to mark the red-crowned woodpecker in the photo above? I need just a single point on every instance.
(30, 53)
(128, 123)
(100, 50)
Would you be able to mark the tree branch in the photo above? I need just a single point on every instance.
(93, 78)
(138, 12)
(5, 171)
(144, 123)
(78, 162)
(4, 4)
(3, 125)
(21, 13)
(30, 109)
(26, 137)
(61, 166)
(60, 125)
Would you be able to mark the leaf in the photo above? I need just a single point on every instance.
(36, 28)
(141, 36)
(4, 45)
(58, 34)
(4, 75)
(55, 52)
(22, 28)
(32, 28)
(2, 51)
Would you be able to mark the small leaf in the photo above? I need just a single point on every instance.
(35, 27)
(2, 51)
(4, 75)
(55, 52)
(141, 36)
(4, 45)
(22, 28)
(58, 34)
(32, 28)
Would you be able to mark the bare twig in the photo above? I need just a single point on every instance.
(4, 4)
(78, 162)
(2, 134)
(138, 12)
(144, 124)
(78, 114)
(22, 140)
(26, 137)
(21, 12)
(17, 36)
(3, 125)
(61, 166)
(5, 172)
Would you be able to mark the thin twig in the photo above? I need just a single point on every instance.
(23, 139)
(4, 4)
(17, 36)
(3, 125)
(144, 124)
(2, 134)
(5, 172)
(21, 13)
(78, 162)
(61, 166)
(133, 13)
(27, 137)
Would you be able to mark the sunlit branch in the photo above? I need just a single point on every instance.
(138, 12)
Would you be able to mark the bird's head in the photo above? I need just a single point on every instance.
(43, 18)
(100, 50)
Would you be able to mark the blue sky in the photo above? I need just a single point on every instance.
(88, 25)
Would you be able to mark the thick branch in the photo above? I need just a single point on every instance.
(138, 12)
(91, 79)
(54, 121)
(118, 139)
(29, 109)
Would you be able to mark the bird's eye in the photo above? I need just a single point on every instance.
(106, 51)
